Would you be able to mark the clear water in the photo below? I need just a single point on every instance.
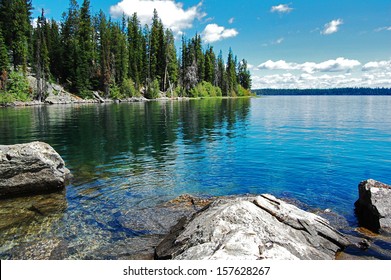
(126, 157)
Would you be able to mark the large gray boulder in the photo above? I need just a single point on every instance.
(373, 208)
(262, 227)
(31, 169)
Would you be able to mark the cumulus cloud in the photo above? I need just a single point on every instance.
(334, 65)
(172, 14)
(282, 8)
(332, 27)
(214, 32)
(315, 81)
(377, 65)
(335, 73)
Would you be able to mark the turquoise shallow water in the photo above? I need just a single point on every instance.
(125, 157)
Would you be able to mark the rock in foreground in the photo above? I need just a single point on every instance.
(260, 227)
(373, 208)
(31, 168)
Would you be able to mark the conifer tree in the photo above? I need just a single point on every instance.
(221, 74)
(232, 81)
(54, 49)
(70, 48)
(210, 66)
(156, 50)
(42, 62)
(104, 50)
(136, 48)
(85, 50)
(15, 23)
(244, 75)
(119, 53)
(171, 72)
(4, 62)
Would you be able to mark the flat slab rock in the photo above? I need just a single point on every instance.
(262, 227)
(373, 208)
(31, 168)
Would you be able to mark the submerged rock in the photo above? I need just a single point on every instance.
(260, 227)
(373, 208)
(31, 168)
(20, 211)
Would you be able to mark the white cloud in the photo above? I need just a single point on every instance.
(384, 28)
(377, 66)
(278, 41)
(314, 81)
(277, 65)
(335, 73)
(332, 27)
(334, 65)
(231, 20)
(282, 8)
(213, 33)
(172, 14)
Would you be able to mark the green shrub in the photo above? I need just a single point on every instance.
(85, 94)
(153, 90)
(115, 92)
(205, 89)
(243, 92)
(179, 91)
(127, 89)
(18, 89)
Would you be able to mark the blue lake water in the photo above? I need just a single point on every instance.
(315, 149)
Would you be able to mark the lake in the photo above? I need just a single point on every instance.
(127, 157)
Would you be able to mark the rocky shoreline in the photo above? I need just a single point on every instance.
(57, 95)
(32, 189)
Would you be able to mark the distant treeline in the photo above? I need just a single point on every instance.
(331, 91)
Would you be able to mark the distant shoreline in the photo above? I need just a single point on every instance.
(331, 92)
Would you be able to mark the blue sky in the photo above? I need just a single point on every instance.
(288, 44)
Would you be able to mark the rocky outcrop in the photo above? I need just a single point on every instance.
(373, 208)
(58, 95)
(262, 227)
(31, 168)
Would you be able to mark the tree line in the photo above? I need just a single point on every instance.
(329, 91)
(86, 53)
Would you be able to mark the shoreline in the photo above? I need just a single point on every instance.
(21, 104)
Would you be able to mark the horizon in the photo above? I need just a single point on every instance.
(288, 45)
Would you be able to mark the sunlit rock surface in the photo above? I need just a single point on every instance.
(262, 227)
(31, 168)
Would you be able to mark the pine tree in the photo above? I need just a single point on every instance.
(4, 62)
(171, 72)
(54, 48)
(244, 75)
(70, 48)
(104, 50)
(221, 75)
(199, 57)
(119, 53)
(15, 23)
(136, 47)
(232, 82)
(210, 66)
(156, 50)
(42, 63)
(85, 55)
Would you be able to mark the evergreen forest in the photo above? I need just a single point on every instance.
(118, 58)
